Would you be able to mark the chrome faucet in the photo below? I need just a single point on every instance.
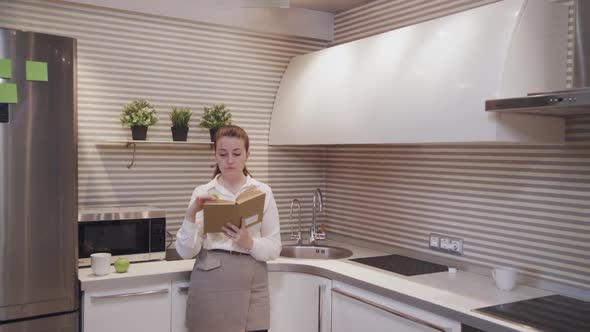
(314, 233)
(296, 236)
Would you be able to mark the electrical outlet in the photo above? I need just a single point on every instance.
(457, 246)
(445, 243)
(434, 241)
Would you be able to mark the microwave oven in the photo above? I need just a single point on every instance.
(137, 233)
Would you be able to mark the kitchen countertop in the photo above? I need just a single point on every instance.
(452, 295)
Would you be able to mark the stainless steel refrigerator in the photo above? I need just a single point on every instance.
(39, 288)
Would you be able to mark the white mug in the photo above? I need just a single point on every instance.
(505, 277)
(100, 263)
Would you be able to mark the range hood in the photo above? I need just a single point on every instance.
(575, 101)
(428, 82)
(557, 103)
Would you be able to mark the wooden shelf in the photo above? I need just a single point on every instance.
(153, 142)
(133, 143)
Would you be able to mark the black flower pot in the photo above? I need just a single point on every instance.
(212, 133)
(179, 133)
(139, 133)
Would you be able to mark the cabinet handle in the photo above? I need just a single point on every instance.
(391, 311)
(117, 296)
(183, 290)
(321, 289)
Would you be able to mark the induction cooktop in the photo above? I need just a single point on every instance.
(554, 313)
(401, 264)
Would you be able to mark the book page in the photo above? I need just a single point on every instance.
(219, 202)
(249, 205)
(249, 194)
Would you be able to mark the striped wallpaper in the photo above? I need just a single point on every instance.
(385, 15)
(522, 206)
(577, 129)
(122, 56)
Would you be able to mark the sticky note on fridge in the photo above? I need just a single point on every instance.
(5, 68)
(8, 93)
(36, 71)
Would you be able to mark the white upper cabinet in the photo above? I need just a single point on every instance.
(427, 83)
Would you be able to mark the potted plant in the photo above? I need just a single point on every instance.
(139, 115)
(180, 117)
(214, 118)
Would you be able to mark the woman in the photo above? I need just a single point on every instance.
(229, 282)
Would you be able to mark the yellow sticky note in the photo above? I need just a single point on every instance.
(8, 93)
(36, 71)
(5, 68)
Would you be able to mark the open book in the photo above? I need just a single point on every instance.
(249, 205)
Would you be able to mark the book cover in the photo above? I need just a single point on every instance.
(249, 205)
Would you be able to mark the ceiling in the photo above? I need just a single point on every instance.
(331, 6)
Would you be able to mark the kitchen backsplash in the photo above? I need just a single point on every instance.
(577, 129)
(385, 15)
(523, 206)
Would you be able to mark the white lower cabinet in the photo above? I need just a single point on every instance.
(134, 305)
(355, 310)
(299, 302)
(179, 299)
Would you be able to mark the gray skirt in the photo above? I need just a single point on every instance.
(230, 298)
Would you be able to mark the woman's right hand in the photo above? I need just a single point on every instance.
(197, 205)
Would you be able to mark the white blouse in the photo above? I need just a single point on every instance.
(266, 235)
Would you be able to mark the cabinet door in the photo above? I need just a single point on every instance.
(143, 306)
(299, 302)
(179, 299)
(356, 310)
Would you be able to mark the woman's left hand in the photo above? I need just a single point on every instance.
(240, 236)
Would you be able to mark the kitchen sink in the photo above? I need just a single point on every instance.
(315, 252)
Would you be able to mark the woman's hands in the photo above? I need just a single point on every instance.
(197, 205)
(240, 236)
